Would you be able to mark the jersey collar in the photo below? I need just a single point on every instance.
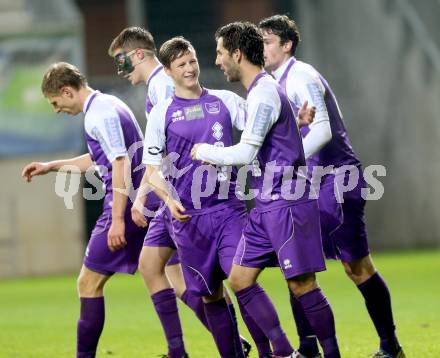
(156, 70)
(284, 68)
(89, 100)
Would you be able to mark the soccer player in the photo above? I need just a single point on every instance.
(112, 134)
(208, 217)
(134, 51)
(283, 229)
(326, 143)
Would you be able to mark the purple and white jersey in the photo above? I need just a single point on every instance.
(175, 125)
(111, 131)
(160, 87)
(301, 82)
(271, 125)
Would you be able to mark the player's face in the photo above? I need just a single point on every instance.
(185, 70)
(275, 54)
(227, 63)
(65, 102)
(126, 62)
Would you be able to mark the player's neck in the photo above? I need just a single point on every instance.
(189, 92)
(248, 74)
(149, 66)
(83, 93)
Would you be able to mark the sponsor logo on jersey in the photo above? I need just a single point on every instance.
(287, 264)
(213, 107)
(217, 131)
(194, 112)
(177, 116)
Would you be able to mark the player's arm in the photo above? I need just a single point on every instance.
(162, 188)
(120, 172)
(263, 110)
(311, 89)
(154, 147)
(78, 164)
(106, 128)
(137, 210)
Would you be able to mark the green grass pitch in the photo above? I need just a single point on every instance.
(38, 315)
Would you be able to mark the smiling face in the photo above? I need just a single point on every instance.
(275, 54)
(184, 70)
(65, 102)
(227, 63)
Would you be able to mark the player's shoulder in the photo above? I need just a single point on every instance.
(266, 90)
(161, 107)
(302, 71)
(103, 106)
(225, 96)
(159, 81)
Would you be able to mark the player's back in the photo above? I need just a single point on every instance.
(275, 128)
(111, 131)
(303, 82)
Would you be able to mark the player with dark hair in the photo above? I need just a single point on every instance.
(112, 135)
(283, 230)
(326, 144)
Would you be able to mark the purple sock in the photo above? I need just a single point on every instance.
(221, 327)
(259, 306)
(308, 346)
(90, 325)
(378, 301)
(196, 304)
(237, 338)
(166, 307)
(260, 339)
(320, 316)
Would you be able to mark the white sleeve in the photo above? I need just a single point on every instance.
(305, 87)
(236, 106)
(160, 89)
(239, 154)
(107, 130)
(154, 144)
(264, 107)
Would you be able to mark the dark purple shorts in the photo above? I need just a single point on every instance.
(206, 245)
(98, 256)
(288, 237)
(344, 234)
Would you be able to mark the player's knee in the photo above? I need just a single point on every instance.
(359, 270)
(89, 287)
(302, 284)
(238, 283)
(149, 270)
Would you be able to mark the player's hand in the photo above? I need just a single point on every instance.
(137, 214)
(116, 235)
(35, 168)
(306, 115)
(177, 211)
(194, 151)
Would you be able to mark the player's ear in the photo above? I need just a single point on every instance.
(167, 70)
(237, 55)
(140, 54)
(66, 91)
(287, 46)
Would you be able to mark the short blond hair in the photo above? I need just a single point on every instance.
(59, 75)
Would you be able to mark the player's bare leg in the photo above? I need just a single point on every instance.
(91, 321)
(152, 262)
(378, 301)
(253, 300)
